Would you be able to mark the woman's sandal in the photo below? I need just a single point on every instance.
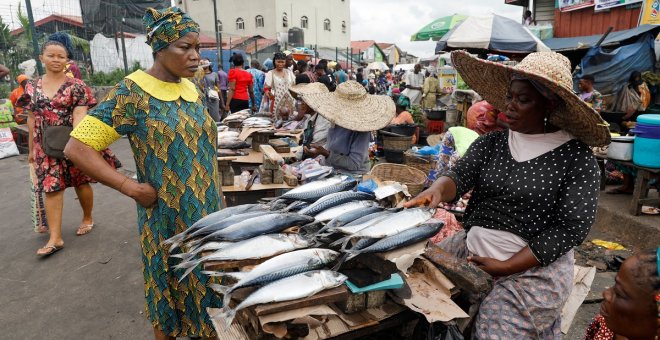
(51, 250)
(84, 229)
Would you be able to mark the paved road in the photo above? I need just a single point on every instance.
(92, 289)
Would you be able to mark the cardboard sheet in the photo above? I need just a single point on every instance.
(235, 331)
(247, 132)
(427, 293)
(274, 323)
(403, 258)
(582, 280)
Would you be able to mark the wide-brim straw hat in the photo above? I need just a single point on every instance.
(491, 80)
(310, 88)
(352, 108)
(434, 140)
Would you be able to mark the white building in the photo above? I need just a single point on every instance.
(324, 23)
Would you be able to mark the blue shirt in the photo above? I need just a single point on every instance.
(223, 79)
(349, 150)
(341, 76)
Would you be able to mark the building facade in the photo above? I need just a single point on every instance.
(325, 23)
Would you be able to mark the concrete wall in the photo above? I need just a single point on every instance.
(272, 10)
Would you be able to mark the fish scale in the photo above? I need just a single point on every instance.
(335, 199)
(329, 214)
(315, 190)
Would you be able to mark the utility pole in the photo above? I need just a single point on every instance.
(123, 45)
(218, 39)
(35, 45)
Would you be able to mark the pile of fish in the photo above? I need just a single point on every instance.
(301, 234)
(237, 116)
(230, 140)
(257, 122)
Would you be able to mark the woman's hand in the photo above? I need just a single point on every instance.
(143, 193)
(495, 268)
(430, 197)
(227, 108)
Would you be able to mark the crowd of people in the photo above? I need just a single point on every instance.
(533, 180)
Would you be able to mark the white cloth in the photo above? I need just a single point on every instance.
(415, 80)
(321, 128)
(524, 147)
(499, 244)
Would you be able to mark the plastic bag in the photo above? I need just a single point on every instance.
(367, 186)
(628, 101)
(7, 145)
(439, 331)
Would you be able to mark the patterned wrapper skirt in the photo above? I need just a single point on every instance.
(526, 305)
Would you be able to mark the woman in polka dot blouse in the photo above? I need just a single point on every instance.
(535, 192)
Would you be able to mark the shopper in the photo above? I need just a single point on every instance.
(178, 181)
(53, 101)
(240, 91)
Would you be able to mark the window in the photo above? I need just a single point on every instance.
(343, 27)
(219, 24)
(326, 24)
(304, 22)
(285, 20)
(259, 21)
(240, 24)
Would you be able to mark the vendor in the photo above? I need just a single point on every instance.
(402, 114)
(316, 130)
(431, 90)
(414, 85)
(354, 115)
(535, 192)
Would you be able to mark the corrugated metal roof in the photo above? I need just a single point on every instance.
(584, 22)
(585, 42)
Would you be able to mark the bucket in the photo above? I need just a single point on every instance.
(647, 141)
(621, 148)
(452, 115)
(404, 129)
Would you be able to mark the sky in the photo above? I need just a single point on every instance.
(392, 21)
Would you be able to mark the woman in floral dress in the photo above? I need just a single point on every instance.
(55, 100)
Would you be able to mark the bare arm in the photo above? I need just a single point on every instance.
(519, 262)
(231, 87)
(92, 164)
(251, 93)
(442, 190)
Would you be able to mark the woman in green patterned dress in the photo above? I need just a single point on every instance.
(173, 141)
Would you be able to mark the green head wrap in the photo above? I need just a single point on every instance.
(167, 26)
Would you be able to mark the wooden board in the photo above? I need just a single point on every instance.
(271, 154)
(256, 157)
(324, 297)
(255, 187)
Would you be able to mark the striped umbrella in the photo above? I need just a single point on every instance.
(436, 29)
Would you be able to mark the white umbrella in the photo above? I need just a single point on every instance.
(378, 65)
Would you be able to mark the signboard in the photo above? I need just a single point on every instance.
(650, 12)
(571, 5)
(448, 79)
(607, 4)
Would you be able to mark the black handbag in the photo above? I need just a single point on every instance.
(54, 139)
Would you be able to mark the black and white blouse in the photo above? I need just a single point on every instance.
(550, 201)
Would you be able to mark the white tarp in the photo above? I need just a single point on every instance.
(106, 58)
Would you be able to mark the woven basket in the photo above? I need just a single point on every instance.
(396, 143)
(414, 179)
(423, 163)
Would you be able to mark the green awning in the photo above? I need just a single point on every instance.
(438, 28)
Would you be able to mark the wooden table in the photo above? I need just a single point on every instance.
(236, 194)
(253, 159)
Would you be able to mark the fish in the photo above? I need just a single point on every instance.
(210, 229)
(350, 217)
(291, 288)
(296, 206)
(362, 223)
(278, 267)
(210, 246)
(334, 200)
(399, 240)
(209, 232)
(264, 224)
(329, 214)
(314, 190)
(214, 218)
(394, 224)
(255, 248)
(233, 144)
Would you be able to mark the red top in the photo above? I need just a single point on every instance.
(243, 79)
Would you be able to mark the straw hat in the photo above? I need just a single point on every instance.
(352, 108)
(302, 89)
(434, 140)
(552, 70)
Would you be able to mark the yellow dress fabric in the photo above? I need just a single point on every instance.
(174, 145)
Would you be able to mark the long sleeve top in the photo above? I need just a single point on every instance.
(349, 150)
(550, 201)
